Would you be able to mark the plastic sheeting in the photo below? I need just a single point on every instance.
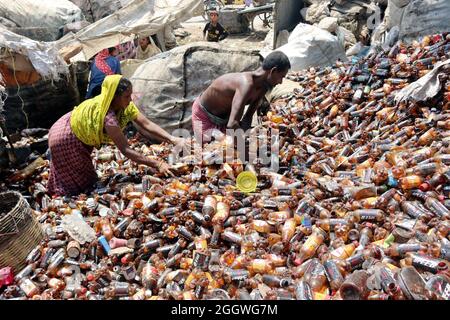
(345, 36)
(285, 89)
(43, 56)
(129, 66)
(310, 46)
(40, 13)
(424, 17)
(426, 87)
(166, 85)
(95, 10)
(328, 23)
(139, 17)
(414, 18)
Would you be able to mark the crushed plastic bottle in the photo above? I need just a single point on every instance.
(77, 228)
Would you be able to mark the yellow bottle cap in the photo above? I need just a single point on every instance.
(246, 181)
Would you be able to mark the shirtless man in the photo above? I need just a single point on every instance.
(222, 104)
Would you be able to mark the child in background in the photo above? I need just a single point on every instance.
(213, 31)
(146, 48)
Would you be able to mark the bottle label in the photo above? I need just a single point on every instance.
(199, 260)
(335, 222)
(424, 263)
(409, 247)
(232, 237)
(446, 292)
(302, 207)
(27, 286)
(303, 291)
(414, 212)
(121, 289)
(34, 255)
(198, 292)
(445, 253)
(103, 281)
(311, 244)
(318, 270)
(129, 272)
(332, 271)
(338, 253)
(368, 216)
(306, 221)
(239, 275)
(356, 261)
(386, 278)
(146, 184)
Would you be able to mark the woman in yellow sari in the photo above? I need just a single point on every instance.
(96, 121)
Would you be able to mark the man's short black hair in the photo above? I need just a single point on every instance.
(278, 60)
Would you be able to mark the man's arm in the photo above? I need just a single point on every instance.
(237, 108)
(246, 122)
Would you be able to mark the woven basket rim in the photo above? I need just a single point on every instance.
(16, 215)
(19, 197)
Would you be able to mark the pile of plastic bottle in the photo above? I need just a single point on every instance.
(359, 208)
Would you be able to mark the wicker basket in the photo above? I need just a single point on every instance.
(19, 231)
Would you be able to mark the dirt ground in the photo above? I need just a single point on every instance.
(249, 40)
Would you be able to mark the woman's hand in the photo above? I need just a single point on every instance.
(165, 169)
(122, 144)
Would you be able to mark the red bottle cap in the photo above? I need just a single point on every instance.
(368, 225)
(424, 187)
(83, 290)
(436, 38)
(297, 261)
(124, 260)
(441, 198)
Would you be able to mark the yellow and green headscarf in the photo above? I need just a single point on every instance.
(87, 119)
